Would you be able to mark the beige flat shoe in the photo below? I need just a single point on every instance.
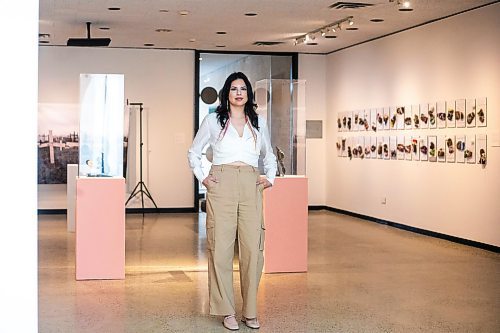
(252, 323)
(230, 323)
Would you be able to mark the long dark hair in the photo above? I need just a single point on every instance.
(250, 107)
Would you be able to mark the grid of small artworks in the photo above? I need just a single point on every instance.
(392, 142)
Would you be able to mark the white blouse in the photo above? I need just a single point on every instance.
(230, 147)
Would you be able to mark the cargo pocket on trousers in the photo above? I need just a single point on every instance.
(262, 238)
(210, 237)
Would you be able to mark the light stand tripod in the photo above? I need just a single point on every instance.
(140, 187)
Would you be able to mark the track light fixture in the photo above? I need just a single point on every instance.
(404, 5)
(324, 30)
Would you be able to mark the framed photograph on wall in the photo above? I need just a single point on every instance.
(432, 145)
(355, 150)
(481, 111)
(392, 118)
(343, 115)
(408, 118)
(361, 147)
(380, 147)
(349, 121)
(415, 148)
(441, 114)
(393, 144)
(415, 116)
(339, 146)
(385, 118)
(424, 115)
(408, 148)
(460, 112)
(361, 120)
(380, 119)
(400, 117)
(349, 145)
(386, 147)
(441, 148)
(400, 147)
(355, 121)
(470, 149)
(460, 147)
(431, 111)
(470, 108)
(424, 148)
(368, 152)
(481, 151)
(344, 146)
(366, 119)
(450, 148)
(373, 147)
(354, 147)
(373, 119)
(450, 114)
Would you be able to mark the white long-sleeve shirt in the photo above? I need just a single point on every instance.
(231, 147)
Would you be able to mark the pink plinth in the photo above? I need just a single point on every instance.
(100, 228)
(285, 216)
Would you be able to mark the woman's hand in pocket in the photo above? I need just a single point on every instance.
(265, 182)
(209, 180)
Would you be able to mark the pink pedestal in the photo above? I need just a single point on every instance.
(285, 215)
(100, 228)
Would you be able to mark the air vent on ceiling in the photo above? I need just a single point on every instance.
(349, 5)
(262, 43)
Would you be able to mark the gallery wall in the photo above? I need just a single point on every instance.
(161, 79)
(312, 69)
(455, 58)
(164, 81)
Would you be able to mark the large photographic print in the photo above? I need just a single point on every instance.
(58, 140)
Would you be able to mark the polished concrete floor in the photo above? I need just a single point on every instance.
(363, 277)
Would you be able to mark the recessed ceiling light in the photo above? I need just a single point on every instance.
(312, 44)
(192, 40)
(330, 36)
(351, 28)
(43, 41)
(163, 10)
(405, 9)
(104, 28)
(250, 14)
(221, 32)
(220, 45)
(377, 20)
(43, 35)
(114, 8)
(163, 30)
(149, 44)
(183, 12)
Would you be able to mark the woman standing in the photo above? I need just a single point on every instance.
(238, 136)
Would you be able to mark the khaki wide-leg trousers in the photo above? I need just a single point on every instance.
(234, 204)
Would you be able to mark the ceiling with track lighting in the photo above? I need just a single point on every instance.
(303, 26)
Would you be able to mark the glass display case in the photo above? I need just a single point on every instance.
(102, 98)
(282, 103)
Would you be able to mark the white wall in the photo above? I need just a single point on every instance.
(18, 238)
(161, 79)
(458, 57)
(312, 68)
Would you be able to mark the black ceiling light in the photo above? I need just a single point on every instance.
(88, 41)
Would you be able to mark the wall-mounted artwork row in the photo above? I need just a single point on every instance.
(470, 148)
(458, 113)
